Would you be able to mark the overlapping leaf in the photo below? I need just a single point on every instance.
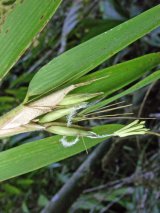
(116, 77)
(70, 66)
(83, 58)
(146, 81)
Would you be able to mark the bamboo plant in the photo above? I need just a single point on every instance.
(62, 93)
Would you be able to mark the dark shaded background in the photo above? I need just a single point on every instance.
(122, 176)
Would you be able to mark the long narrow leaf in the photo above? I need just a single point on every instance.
(20, 27)
(151, 78)
(83, 58)
(34, 155)
(116, 77)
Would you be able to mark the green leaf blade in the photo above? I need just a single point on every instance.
(78, 61)
(35, 155)
(118, 76)
(146, 81)
(20, 27)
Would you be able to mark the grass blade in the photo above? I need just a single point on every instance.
(21, 25)
(83, 58)
(119, 75)
(35, 155)
(151, 78)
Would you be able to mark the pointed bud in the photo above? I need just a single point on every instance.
(78, 98)
(56, 114)
(68, 131)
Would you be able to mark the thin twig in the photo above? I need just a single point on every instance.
(145, 98)
(62, 201)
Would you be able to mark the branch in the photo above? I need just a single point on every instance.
(71, 190)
